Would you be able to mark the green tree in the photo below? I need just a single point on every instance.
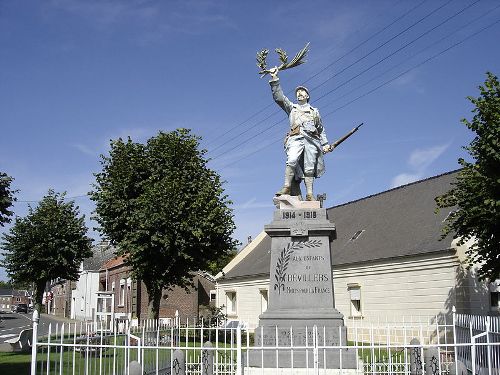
(6, 198)
(163, 209)
(49, 243)
(215, 266)
(5, 284)
(476, 193)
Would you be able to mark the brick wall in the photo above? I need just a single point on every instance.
(61, 302)
(136, 296)
(185, 302)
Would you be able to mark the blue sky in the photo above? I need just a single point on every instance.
(75, 74)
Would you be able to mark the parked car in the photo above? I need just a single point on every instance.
(20, 308)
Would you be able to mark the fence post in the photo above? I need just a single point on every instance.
(207, 358)
(178, 362)
(239, 362)
(36, 319)
(416, 365)
(488, 347)
(315, 351)
(455, 339)
(472, 348)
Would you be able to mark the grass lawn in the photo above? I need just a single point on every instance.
(15, 363)
(108, 360)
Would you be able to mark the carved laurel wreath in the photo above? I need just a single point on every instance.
(296, 61)
(284, 260)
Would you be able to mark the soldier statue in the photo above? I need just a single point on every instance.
(305, 143)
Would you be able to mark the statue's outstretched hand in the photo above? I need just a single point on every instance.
(274, 73)
(326, 148)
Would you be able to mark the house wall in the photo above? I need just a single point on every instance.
(249, 299)
(135, 301)
(5, 302)
(61, 299)
(186, 303)
(20, 296)
(418, 288)
(84, 297)
(118, 278)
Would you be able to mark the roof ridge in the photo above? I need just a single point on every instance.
(395, 188)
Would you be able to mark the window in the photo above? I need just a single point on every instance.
(231, 303)
(494, 300)
(356, 235)
(263, 300)
(113, 286)
(129, 290)
(495, 295)
(355, 298)
(213, 295)
(121, 296)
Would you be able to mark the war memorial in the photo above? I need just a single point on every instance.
(301, 309)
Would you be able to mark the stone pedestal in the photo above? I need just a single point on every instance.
(301, 290)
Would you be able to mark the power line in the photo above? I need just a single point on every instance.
(357, 75)
(383, 84)
(416, 66)
(352, 64)
(461, 27)
(385, 43)
(397, 50)
(329, 65)
(36, 201)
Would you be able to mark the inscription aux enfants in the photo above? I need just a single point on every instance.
(297, 273)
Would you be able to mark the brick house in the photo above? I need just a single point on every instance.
(10, 297)
(77, 299)
(131, 298)
(5, 299)
(58, 300)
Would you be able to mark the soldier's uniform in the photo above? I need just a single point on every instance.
(305, 140)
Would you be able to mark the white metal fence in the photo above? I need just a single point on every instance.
(465, 343)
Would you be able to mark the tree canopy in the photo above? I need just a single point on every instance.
(6, 198)
(476, 193)
(49, 243)
(164, 210)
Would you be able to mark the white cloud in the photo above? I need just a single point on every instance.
(418, 162)
(85, 150)
(422, 158)
(405, 178)
(252, 203)
(106, 13)
(154, 20)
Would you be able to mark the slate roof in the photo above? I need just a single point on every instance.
(5, 291)
(395, 223)
(113, 262)
(101, 254)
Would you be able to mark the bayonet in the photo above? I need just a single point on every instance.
(339, 141)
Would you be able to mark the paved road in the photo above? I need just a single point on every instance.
(13, 323)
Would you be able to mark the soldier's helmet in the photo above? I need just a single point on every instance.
(303, 88)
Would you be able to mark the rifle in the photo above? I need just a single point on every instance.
(339, 141)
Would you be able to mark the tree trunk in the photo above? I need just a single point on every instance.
(38, 295)
(154, 303)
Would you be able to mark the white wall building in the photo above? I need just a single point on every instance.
(388, 262)
(84, 296)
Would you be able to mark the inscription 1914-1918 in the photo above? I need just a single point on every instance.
(289, 215)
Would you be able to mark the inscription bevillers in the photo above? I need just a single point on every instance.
(307, 277)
